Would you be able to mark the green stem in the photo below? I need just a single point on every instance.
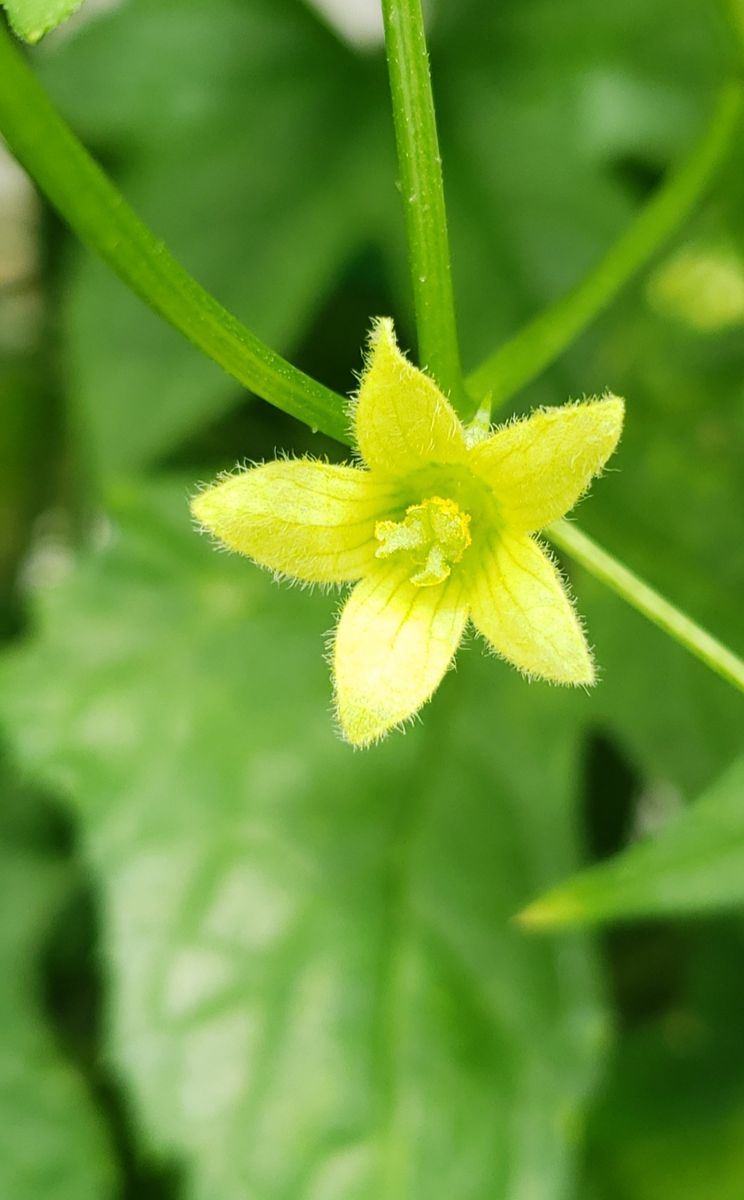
(423, 196)
(91, 205)
(539, 343)
(614, 575)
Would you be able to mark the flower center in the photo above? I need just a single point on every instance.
(433, 535)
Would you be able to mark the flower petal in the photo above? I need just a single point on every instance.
(307, 519)
(393, 644)
(518, 602)
(401, 419)
(540, 467)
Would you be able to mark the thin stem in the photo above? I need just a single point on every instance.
(638, 594)
(540, 342)
(423, 196)
(43, 143)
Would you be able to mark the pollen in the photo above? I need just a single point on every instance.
(432, 538)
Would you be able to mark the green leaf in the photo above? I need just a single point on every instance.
(31, 19)
(221, 125)
(682, 743)
(552, 121)
(316, 986)
(671, 1119)
(695, 864)
(52, 1146)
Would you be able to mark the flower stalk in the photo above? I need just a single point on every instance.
(422, 188)
(625, 583)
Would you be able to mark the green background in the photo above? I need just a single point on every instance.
(239, 961)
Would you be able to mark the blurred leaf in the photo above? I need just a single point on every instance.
(316, 988)
(735, 12)
(694, 864)
(670, 1121)
(27, 453)
(31, 19)
(678, 722)
(677, 499)
(556, 121)
(701, 285)
(51, 1144)
(237, 130)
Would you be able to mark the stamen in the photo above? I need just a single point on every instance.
(433, 535)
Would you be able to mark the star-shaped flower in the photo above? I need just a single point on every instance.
(434, 529)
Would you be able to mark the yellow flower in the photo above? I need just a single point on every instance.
(434, 529)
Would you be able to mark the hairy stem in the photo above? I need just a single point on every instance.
(540, 342)
(423, 196)
(77, 187)
(619, 579)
